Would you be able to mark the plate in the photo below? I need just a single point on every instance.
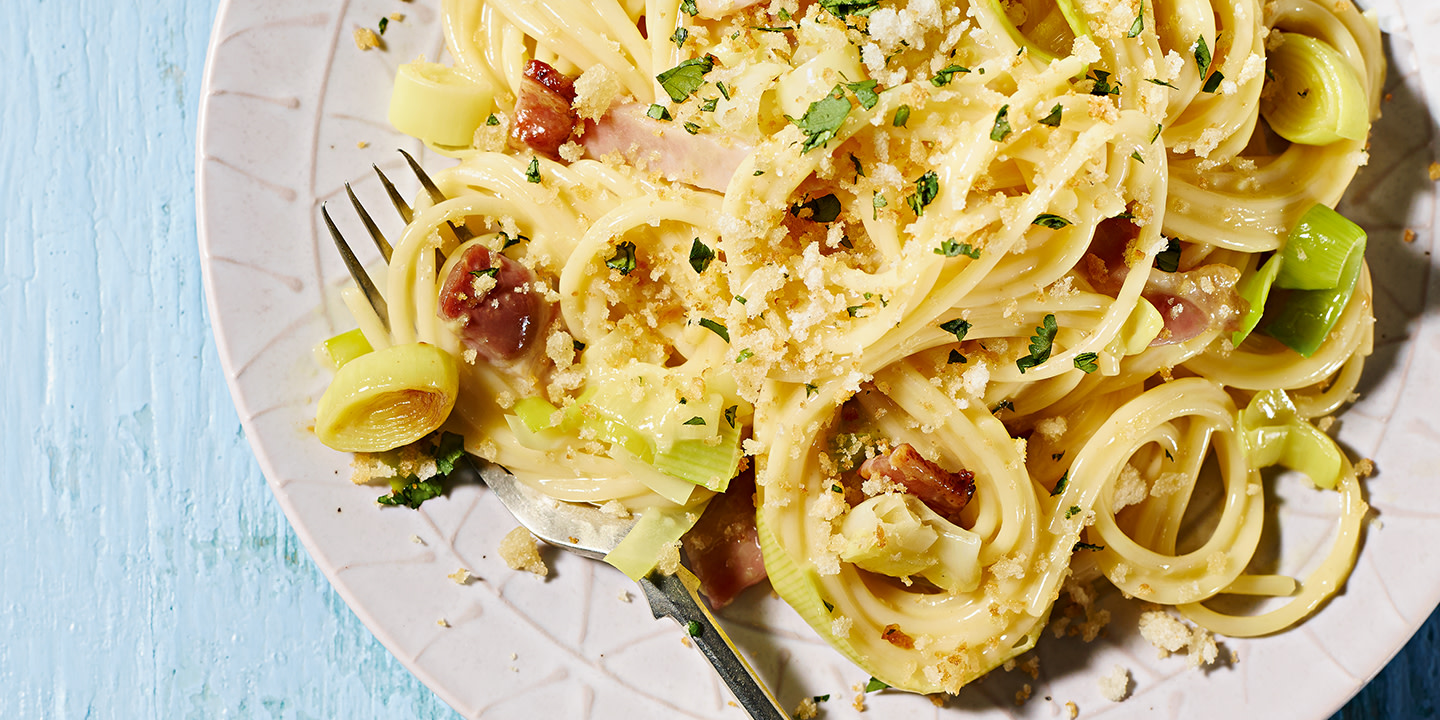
(292, 110)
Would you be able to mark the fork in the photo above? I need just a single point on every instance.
(580, 529)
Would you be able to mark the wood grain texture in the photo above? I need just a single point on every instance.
(145, 570)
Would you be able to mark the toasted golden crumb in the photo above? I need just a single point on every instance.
(1408, 236)
(806, 710)
(1365, 468)
(1073, 709)
(366, 39)
(1115, 685)
(461, 576)
(518, 551)
(1434, 171)
(442, 622)
(397, 17)
(362, 144)
(1022, 694)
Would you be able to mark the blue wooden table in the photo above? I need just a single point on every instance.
(145, 571)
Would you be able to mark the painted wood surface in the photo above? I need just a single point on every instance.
(145, 570)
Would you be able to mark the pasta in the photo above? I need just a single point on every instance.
(982, 293)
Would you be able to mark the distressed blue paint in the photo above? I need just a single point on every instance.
(145, 570)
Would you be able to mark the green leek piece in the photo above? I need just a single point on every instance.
(342, 348)
(1305, 319)
(1275, 434)
(1318, 249)
(1255, 289)
(438, 105)
(897, 535)
(1048, 43)
(1141, 328)
(657, 530)
(388, 398)
(1316, 97)
(537, 413)
(699, 462)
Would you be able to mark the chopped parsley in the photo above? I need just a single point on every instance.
(1168, 260)
(821, 698)
(487, 272)
(688, 7)
(624, 258)
(681, 81)
(720, 85)
(865, 93)
(1040, 344)
(709, 105)
(691, 128)
(448, 452)
(1202, 56)
(700, 255)
(384, 24)
(955, 358)
(1053, 119)
(1158, 81)
(1003, 405)
(1060, 484)
(1135, 155)
(492, 120)
(1103, 86)
(1056, 456)
(823, 118)
(956, 327)
(716, 328)
(658, 112)
(859, 169)
(744, 355)
(836, 488)
(532, 172)
(697, 420)
(946, 74)
(730, 414)
(511, 241)
(811, 389)
(878, 202)
(1086, 362)
(927, 186)
(679, 36)
(1213, 83)
(1159, 128)
(410, 492)
(777, 29)
(843, 8)
(1088, 546)
(1001, 129)
(854, 310)
(902, 116)
(950, 248)
(740, 299)
(1139, 25)
(692, 628)
(1072, 512)
(828, 606)
(1054, 222)
(823, 209)
(875, 684)
(579, 346)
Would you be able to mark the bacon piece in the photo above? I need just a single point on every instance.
(723, 549)
(944, 492)
(1105, 263)
(544, 118)
(501, 322)
(663, 147)
(1194, 301)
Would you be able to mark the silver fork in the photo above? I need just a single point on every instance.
(580, 529)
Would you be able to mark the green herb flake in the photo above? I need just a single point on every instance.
(1072, 512)
(681, 81)
(691, 128)
(579, 346)
(411, 492)
(741, 299)
(719, 85)
(624, 258)
(956, 327)
(950, 248)
(1086, 362)
(744, 355)
(1054, 222)
(1060, 484)
(1103, 86)
(1159, 128)
(448, 452)
(1053, 119)
(700, 255)
(956, 358)
(1139, 25)
(823, 209)
(1056, 456)
(946, 74)
(1088, 546)
(1003, 405)
(658, 112)
(1135, 155)
(1001, 129)
(697, 420)
(688, 7)
(865, 92)
(709, 105)
(1169, 457)
(1162, 83)
(730, 414)
(511, 241)
(1213, 83)
(384, 24)
(875, 684)
(843, 8)
(811, 389)
(532, 172)
(1168, 260)
(828, 606)
(859, 169)
(927, 186)
(492, 120)
(1202, 56)
(716, 328)
(846, 243)
(487, 272)
(777, 29)
(1040, 344)
(784, 15)
(693, 628)
(836, 488)
(821, 698)
(902, 116)
(679, 36)
(854, 310)
(822, 120)
(878, 202)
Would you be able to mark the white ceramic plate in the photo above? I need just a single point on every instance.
(289, 103)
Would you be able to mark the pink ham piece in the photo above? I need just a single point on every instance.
(502, 322)
(1190, 302)
(723, 549)
(544, 119)
(664, 147)
(944, 492)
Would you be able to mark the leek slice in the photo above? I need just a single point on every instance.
(1316, 97)
(1141, 328)
(1318, 249)
(341, 349)
(897, 535)
(438, 105)
(1276, 434)
(1307, 316)
(1254, 288)
(658, 529)
(388, 398)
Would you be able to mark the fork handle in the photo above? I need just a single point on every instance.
(677, 596)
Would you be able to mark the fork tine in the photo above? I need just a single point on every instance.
(462, 233)
(370, 227)
(396, 199)
(357, 273)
